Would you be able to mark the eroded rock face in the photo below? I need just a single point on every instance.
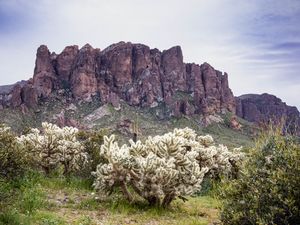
(16, 99)
(44, 74)
(17, 95)
(116, 67)
(135, 73)
(267, 109)
(227, 98)
(83, 80)
(210, 89)
(65, 62)
(29, 95)
(147, 89)
(174, 76)
(141, 77)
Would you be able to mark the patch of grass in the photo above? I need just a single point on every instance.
(48, 218)
(30, 200)
(41, 200)
(198, 210)
(89, 204)
(15, 217)
(10, 217)
(84, 220)
(71, 183)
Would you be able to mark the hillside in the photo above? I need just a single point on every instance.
(127, 84)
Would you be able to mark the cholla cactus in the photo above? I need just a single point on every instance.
(71, 151)
(162, 168)
(52, 146)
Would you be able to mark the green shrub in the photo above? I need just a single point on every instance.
(92, 141)
(12, 157)
(267, 190)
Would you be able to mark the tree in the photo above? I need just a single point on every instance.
(162, 168)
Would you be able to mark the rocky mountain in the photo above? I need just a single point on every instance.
(141, 77)
(267, 108)
(135, 73)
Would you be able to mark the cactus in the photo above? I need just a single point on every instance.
(53, 146)
(163, 167)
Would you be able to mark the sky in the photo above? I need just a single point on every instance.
(257, 42)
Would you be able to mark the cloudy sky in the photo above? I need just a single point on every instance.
(256, 42)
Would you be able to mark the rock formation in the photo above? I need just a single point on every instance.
(140, 76)
(267, 109)
(135, 73)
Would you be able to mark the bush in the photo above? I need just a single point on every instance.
(163, 167)
(92, 141)
(267, 189)
(12, 157)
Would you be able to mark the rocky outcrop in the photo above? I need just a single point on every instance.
(44, 76)
(83, 80)
(174, 75)
(267, 109)
(64, 64)
(210, 89)
(140, 76)
(29, 95)
(16, 99)
(234, 123)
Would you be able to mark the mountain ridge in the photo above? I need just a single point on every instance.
(142, 77)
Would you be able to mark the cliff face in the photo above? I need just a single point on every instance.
(135, 73)
(267, 108)
(141, 77)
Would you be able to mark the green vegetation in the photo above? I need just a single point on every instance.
(58, 200)
(12, 158)
(151, 121)
(267, 189)
(92, 141)
(163, 168)
(264, 190)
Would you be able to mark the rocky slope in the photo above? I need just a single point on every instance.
(139, 76)
(135, 73)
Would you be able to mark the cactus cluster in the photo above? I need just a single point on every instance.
(163, 167)
(53, 146)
